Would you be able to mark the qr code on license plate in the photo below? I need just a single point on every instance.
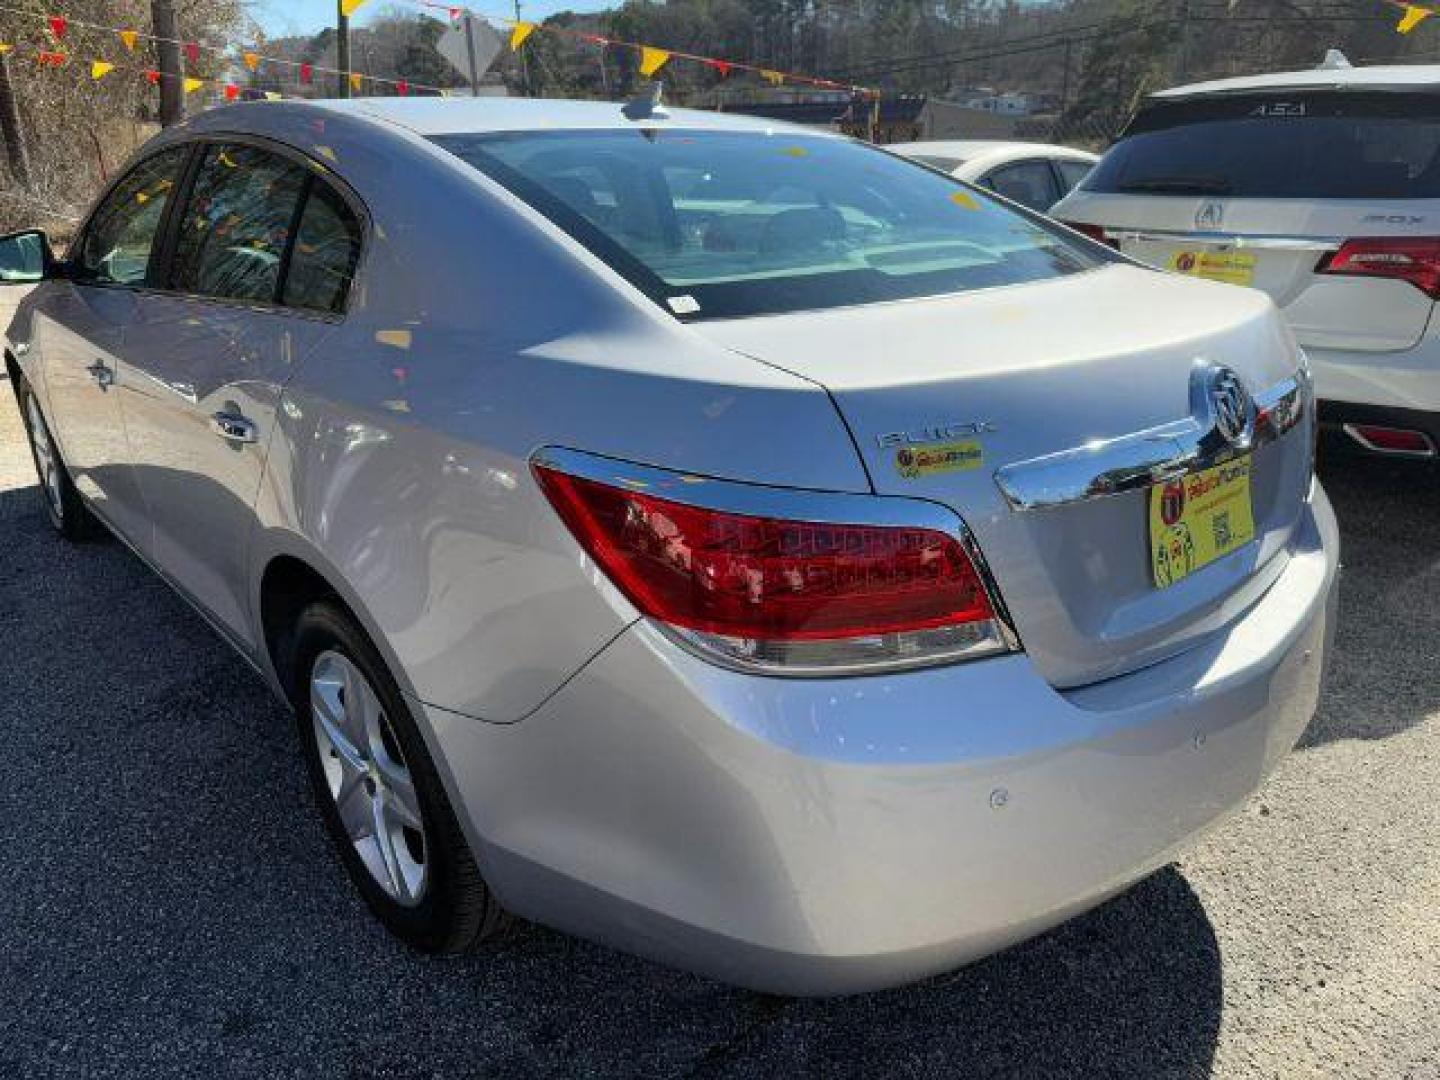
(1220, 523)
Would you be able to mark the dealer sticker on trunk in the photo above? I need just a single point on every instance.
(913, 462)
(1199, 518)
(1231, 267)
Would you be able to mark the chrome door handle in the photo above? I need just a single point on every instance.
(102, 375)
(235, 428)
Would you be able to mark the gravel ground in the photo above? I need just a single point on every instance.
(171, 908)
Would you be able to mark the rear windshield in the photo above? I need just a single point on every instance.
(935, 161)
(729, 224)
(1295, 145)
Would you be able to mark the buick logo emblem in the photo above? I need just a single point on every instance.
(1230, 405)
(1209, 216)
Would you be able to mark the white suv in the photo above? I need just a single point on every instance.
(1323, 189)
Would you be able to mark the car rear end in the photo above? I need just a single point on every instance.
(1326, 197)
(851, 738)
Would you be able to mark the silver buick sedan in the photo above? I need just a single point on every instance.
(723, 540)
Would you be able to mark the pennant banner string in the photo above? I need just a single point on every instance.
(193, 49)
(652, 58)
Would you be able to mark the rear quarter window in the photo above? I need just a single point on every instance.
(1295, 145)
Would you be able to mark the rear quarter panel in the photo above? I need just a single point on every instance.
(477, 335)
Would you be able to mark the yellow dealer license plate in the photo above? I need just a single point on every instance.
(1199, 518)
(1231, 267)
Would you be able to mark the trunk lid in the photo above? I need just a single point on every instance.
(1041, 369)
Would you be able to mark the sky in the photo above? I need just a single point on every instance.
(281, 18)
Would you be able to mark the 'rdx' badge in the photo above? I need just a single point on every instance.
(933, 433)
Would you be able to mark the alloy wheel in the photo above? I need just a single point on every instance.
(47, 462)
(368, 778)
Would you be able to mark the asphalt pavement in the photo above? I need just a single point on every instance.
(170, 906)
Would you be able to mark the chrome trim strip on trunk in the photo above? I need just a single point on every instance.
(1259, 241)
(1131, 462)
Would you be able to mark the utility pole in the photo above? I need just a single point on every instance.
(16, 153)
(524, 60)
(1065, 82)
(342, 47)
(470, 54)
(167, 59)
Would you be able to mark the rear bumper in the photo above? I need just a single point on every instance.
(833, 836)
(1407, 380)
(1336, 416)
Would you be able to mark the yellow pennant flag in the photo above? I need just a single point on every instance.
(652, 60)
(774, 78)
(129, 37)
(349, 7)
(252, 60)
(520, 35)
(1414, 16)
(355, 78)
(191, 85)
(99, 69)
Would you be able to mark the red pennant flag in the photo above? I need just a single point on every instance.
(231, 91)
(192, 52)
(152, 77)
(402, 88)
(721, 66)
(58, 25)
(307, 72)
(454, 14)
(51, 59)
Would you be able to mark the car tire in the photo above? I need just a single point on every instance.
(63, 505)
(364, 751)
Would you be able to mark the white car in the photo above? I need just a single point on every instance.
(1320, 187)
(1036, 175)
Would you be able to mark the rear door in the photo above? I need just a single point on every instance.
(1263, 189)
(264, 250)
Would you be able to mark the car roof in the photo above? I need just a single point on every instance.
(479, 115)
(1379, 77)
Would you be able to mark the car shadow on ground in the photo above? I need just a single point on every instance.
(1382, 677)
(172, 903)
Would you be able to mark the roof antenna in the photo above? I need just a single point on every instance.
(1335, 60)
(647, 105)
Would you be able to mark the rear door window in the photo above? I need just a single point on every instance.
(236, 227)
(1030, 183)
(1295, 145)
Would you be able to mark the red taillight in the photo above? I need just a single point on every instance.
(1412, 259)
(784, 588)
(1095, 232)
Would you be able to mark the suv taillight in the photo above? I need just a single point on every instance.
(1094, 232)
(1412, 259)
(786, 595)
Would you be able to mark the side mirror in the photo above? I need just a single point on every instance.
(26, 257)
